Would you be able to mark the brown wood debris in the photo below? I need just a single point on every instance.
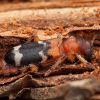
(67, 82)
(46, 4)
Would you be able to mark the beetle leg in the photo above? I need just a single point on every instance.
(81, 58)
(53, 67)
(33, 37)
(59, 61)
(24, 69)
(71, 56)
(33, 68)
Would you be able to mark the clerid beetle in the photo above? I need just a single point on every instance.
(44, 51)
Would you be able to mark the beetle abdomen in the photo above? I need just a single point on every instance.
(26, 54)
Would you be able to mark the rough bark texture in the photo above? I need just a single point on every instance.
(39, 4)
(17, 26)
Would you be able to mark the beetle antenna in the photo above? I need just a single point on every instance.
(94, 39)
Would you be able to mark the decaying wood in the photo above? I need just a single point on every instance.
(34, 4)
(95, 97)
(18, 26)
(20, 23)
(80, 90)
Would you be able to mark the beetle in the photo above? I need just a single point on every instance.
(44, 51)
